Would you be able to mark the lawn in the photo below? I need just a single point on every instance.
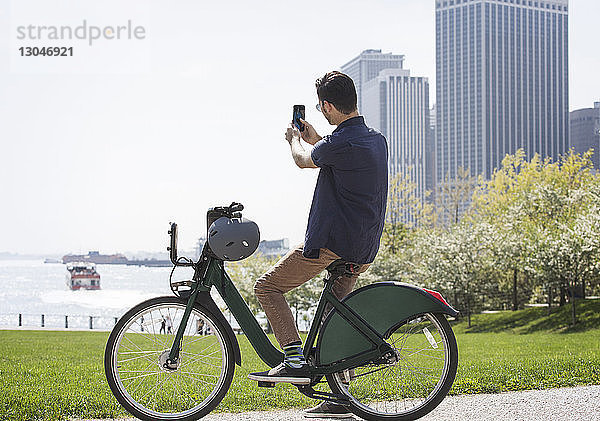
(59, 375)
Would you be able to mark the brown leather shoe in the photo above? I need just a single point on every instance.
(328, 410)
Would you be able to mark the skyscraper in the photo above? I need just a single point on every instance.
(430, 158)
(397, 105)
(585, 132)
(502, 82)
(367, 66)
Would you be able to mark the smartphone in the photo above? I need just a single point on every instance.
(299, 113)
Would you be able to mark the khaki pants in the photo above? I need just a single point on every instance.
(291, 271)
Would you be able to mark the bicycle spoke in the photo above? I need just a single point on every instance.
(199, 374)
(141, 333)
(196, 379)
(418, 372)
(183, 392)
(141, 382)
(164, 340)
(200, 357)
(158, 383)
(155, 387)
(134, 344)
(199, 339)
(154, 333)
(131, 359)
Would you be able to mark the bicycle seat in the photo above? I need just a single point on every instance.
(341, 267)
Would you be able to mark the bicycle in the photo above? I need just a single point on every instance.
(386, 350)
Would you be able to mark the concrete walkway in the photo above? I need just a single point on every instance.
(572, 404)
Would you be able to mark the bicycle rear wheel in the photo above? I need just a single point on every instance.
(413, 385)
(138, 347)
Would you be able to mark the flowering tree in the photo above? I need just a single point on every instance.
(545, 213)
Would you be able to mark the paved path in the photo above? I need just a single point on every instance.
(572, 404)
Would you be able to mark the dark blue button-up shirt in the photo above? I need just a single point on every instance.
(348, 208)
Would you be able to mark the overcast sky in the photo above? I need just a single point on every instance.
(101, 150)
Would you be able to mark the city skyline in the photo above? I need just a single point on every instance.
(104, 159)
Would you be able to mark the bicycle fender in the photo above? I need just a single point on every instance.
(384, 306)
(205, 300)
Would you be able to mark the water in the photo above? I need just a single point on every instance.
(33, 288)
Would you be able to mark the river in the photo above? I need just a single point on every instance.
(32, 288)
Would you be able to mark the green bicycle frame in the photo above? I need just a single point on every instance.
(211, 272)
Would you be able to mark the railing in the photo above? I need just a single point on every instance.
(60, 321)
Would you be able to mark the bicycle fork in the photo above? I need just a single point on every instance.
(172, 362)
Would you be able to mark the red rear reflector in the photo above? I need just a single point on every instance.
(436, 295)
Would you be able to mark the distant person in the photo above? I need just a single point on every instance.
(345, 222)
(169, 323)
(200, 327)
(162, 326)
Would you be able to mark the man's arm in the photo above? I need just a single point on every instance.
(301, 156)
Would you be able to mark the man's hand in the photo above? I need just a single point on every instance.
(301, 157)
(309, 134)
(292, 133)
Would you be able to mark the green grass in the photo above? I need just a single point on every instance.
(537, 320)
(498, 362)
(60, 375)
(53, 375)
(529, 349)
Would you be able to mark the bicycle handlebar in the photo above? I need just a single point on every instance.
(232, 211)
(236, 207)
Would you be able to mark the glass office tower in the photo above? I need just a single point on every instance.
(367, 65)
(397, 104)
(502, 82)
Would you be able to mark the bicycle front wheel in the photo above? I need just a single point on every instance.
(138, 347)
(414, 383)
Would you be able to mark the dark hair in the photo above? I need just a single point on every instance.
(338, 89)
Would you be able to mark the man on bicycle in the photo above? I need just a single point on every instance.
(345, 222)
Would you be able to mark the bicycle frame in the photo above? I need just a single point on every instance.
(210, 272)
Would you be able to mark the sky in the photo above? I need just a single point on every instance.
(101, 150)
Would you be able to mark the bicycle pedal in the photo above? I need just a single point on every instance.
(266, 384)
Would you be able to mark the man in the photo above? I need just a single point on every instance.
(346, 218)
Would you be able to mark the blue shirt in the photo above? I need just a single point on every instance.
(348, 208)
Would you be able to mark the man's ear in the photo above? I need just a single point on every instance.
(329, 106)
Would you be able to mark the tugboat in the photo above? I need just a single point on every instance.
(82, 275)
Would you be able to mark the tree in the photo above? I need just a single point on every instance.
(453, 196)
(405, 211)
(305, 297)
(245, 273)
(458, 263)
(498, 202)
